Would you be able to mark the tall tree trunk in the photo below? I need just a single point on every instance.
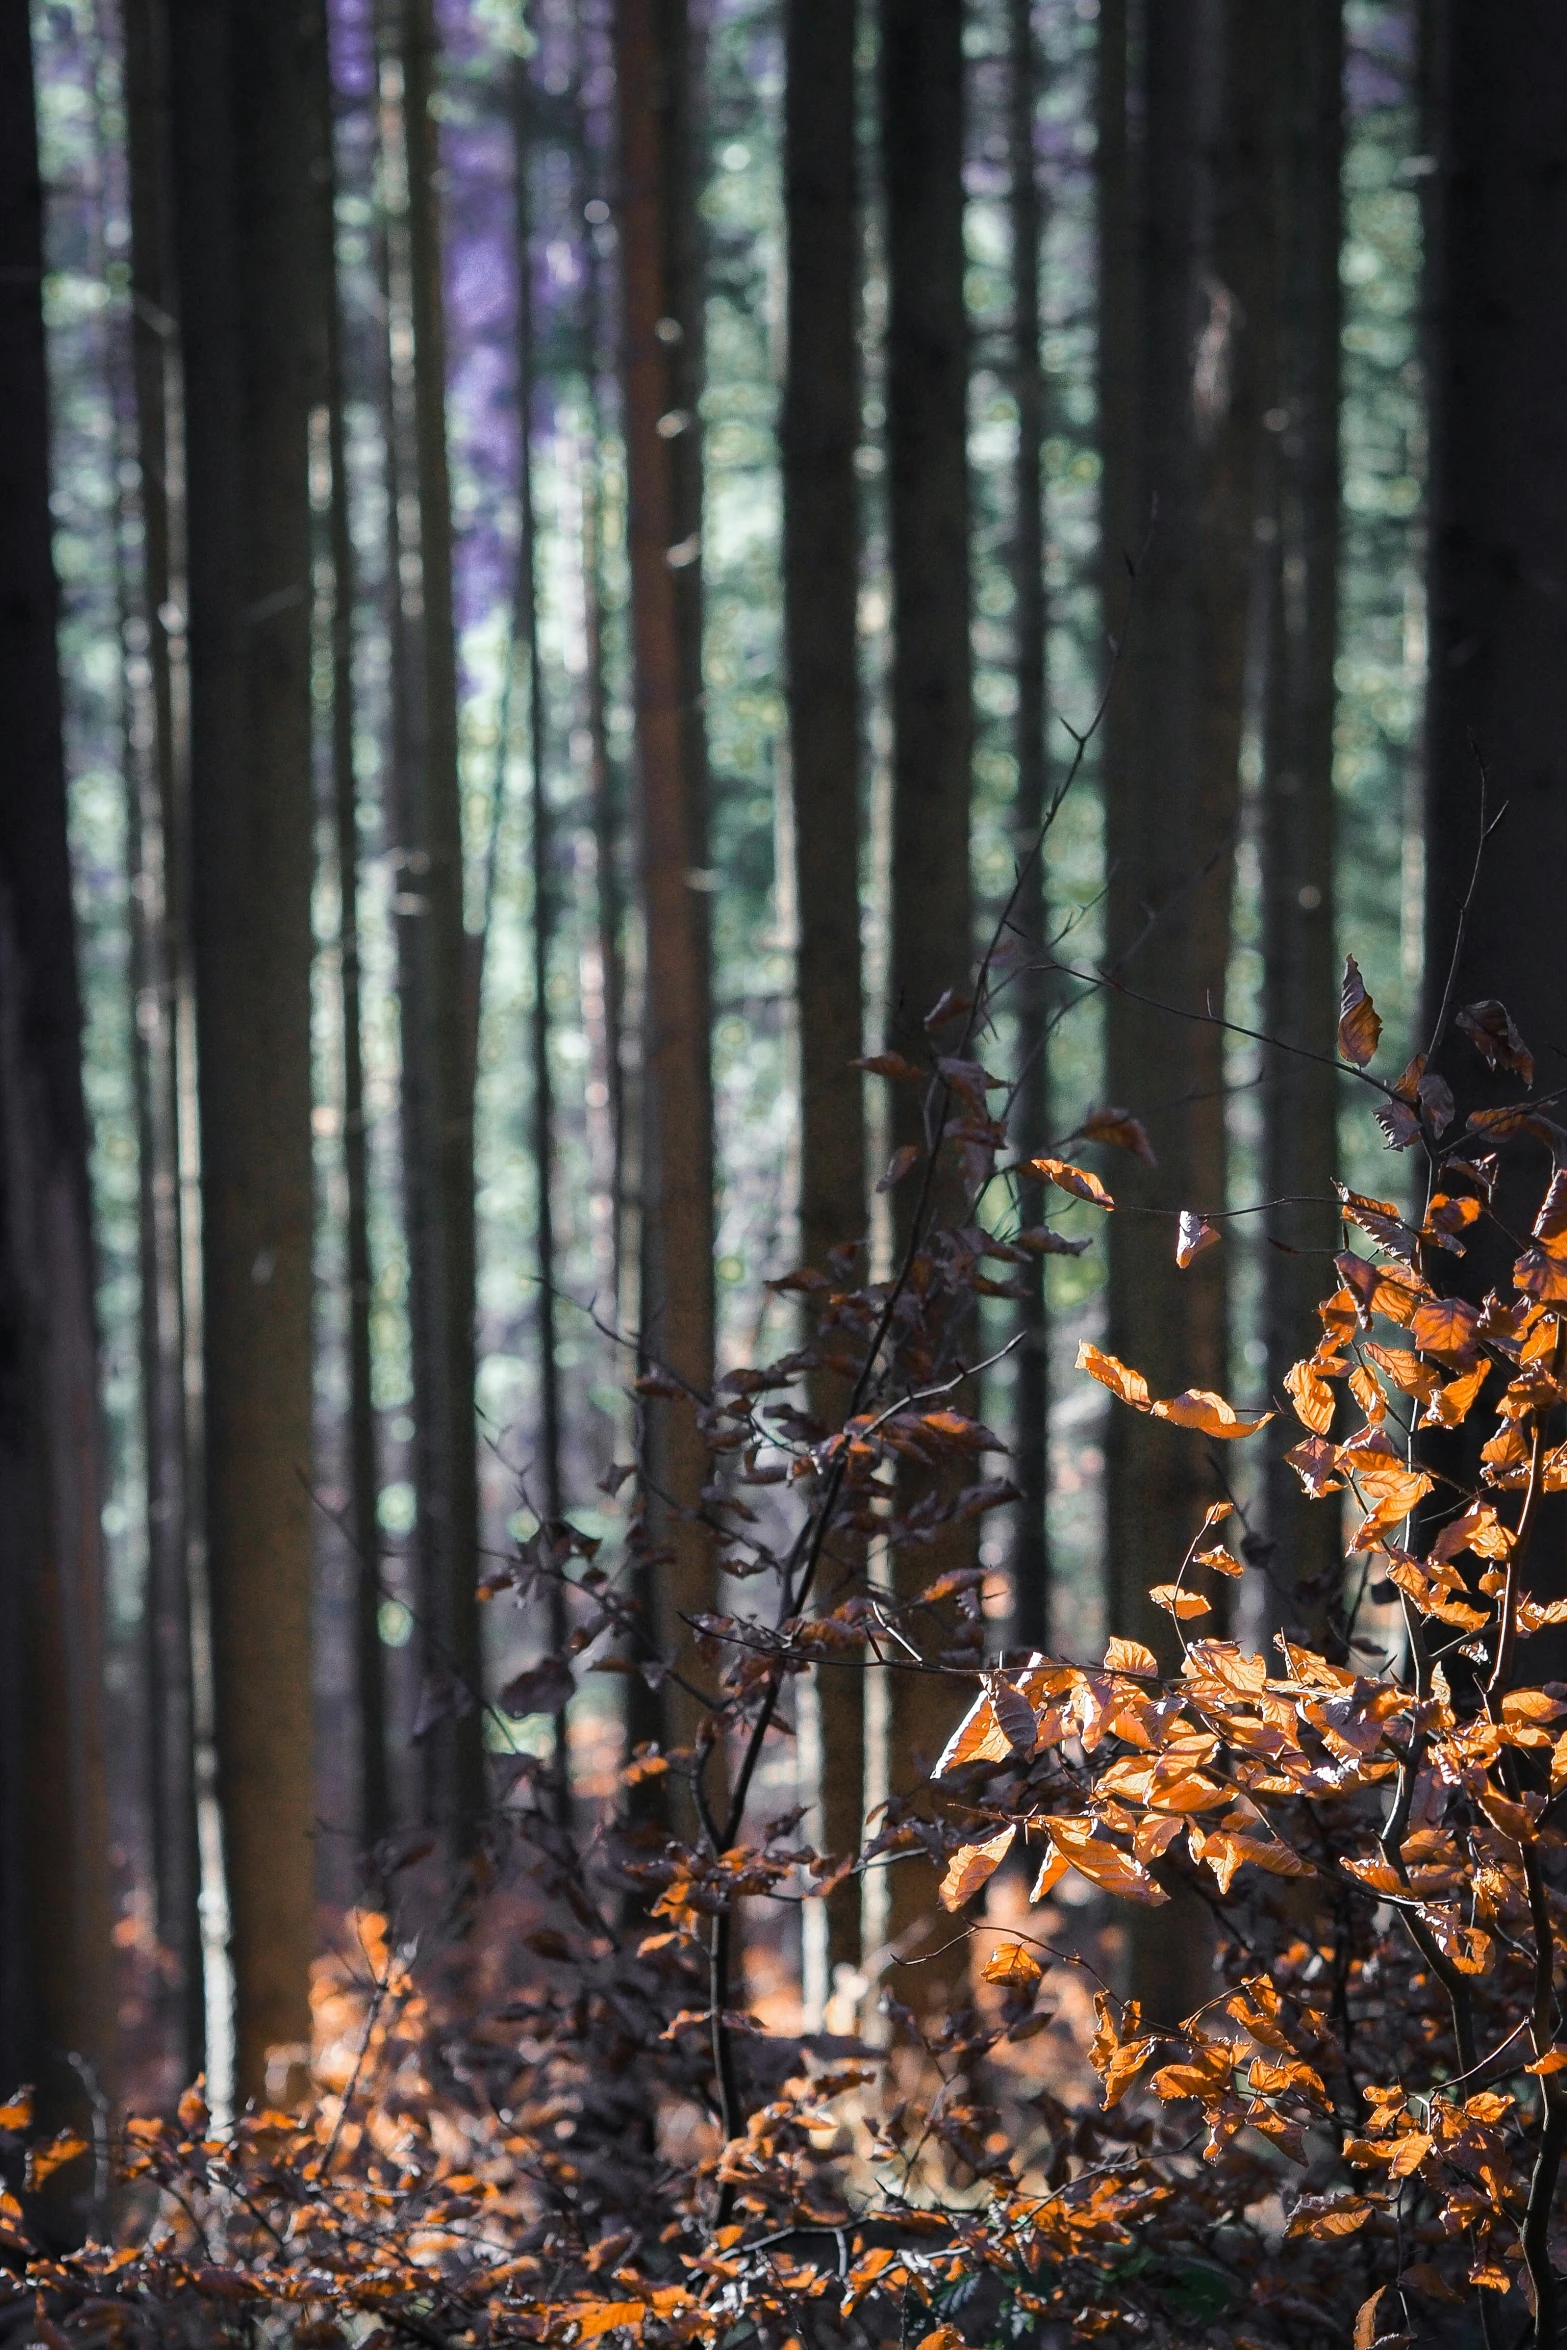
(1298, 811)
(525, 633)
(661, 361)
(922, 89)
(440, 1023)
(1031, 1442)
(375, 1807)
(244, 85)
(1497, 690)
(55, 1988)
(1185, 286)
(819, 433)
(159, 825)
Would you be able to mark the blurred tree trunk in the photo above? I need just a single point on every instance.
(244, 89)
(1497, 693)
(525, 633)
(1300, 992)
(819, 433)
(439, 966)
(922, 115)
(56, 1994)
(661, 359)
(1030, 618)
(159, 829)
(1185, 297)
(375, 1809)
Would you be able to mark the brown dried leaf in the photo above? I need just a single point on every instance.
(1327, 2216)
(1123, 1130)
(1193, 1234)
(1200, 1408)
(1359, 1028)
(1129, 1385)
(1311, 1396)
(1176, 1602)
(1130, 1656)
(1490, 1030)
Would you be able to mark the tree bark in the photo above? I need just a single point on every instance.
(922, 113)
(1185, 290)
(660, 355)
(1300, 995)
(1497, 688)
(375, 1806)
(158, 768)
(56, 1994)
(819, 433)
(243, 88)
(439, 1027)
(1031, 1441)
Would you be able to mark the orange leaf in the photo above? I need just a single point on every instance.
(1551, 2062)
(1013, 1967)
(1118, 2052)
(1200, 1408)
(1326, 2216)
(17, 2111)
(1193, 1234)
(979, 1737)
(1176, 1602)
(1077, 1180)
(1312, 1397)
(1446, 1326)
(1450, 1405)
(1103, 1864)
(1542, 1275)
(1551, 1222)
(1365, 2332)
(1359, 1029)
(1051, 1871)
(972, 1866)
(1129, 1385)
(1130, 1656)
(44, 2161)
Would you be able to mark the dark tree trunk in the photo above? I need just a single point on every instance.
(922, 112)
(244, 83)
(661, 363)
(1300, 994)
(1497, 272)
(1185, 294)
(819, 433)
(440, 1023)
(55, 1991)
(159, 820)
(525, 635)
(375, 1807)
(1031, 1442)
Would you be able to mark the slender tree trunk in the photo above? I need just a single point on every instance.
(819, 433)
(1185, 284)
(159, 771)
(55, 1988)
(1298, 811)
(439, 1026)
(542, 868)
(244, 107)
(1497, 690)
(1031, 1443)
(922, 89)
(652, 56)
(375, 1807)
(604, 981)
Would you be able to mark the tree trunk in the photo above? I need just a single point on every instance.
(159, 770)
(55, 1989)
(661, 350)
(525, 632)
(375, 1807)
(922, 89)
(1185, 291)
(439, 1025)
(244, 105)
(1031, 1440)
(1497, 273)
(818, 434)
(1300, 996)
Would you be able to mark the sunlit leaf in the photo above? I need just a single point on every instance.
(43, 2161)
(1129, 1385)
(1311, 1396)
(1326, 2216)
(1177, 1602)
(1129, 1656)
(1119, 2049)
(1200, 1408)
(1013, 1967)
(1446, 1326)
(1077, 1180)
(972, 1866)
(979, 1737)
(1193, 1234)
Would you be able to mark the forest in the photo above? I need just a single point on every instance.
(783, 1189)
